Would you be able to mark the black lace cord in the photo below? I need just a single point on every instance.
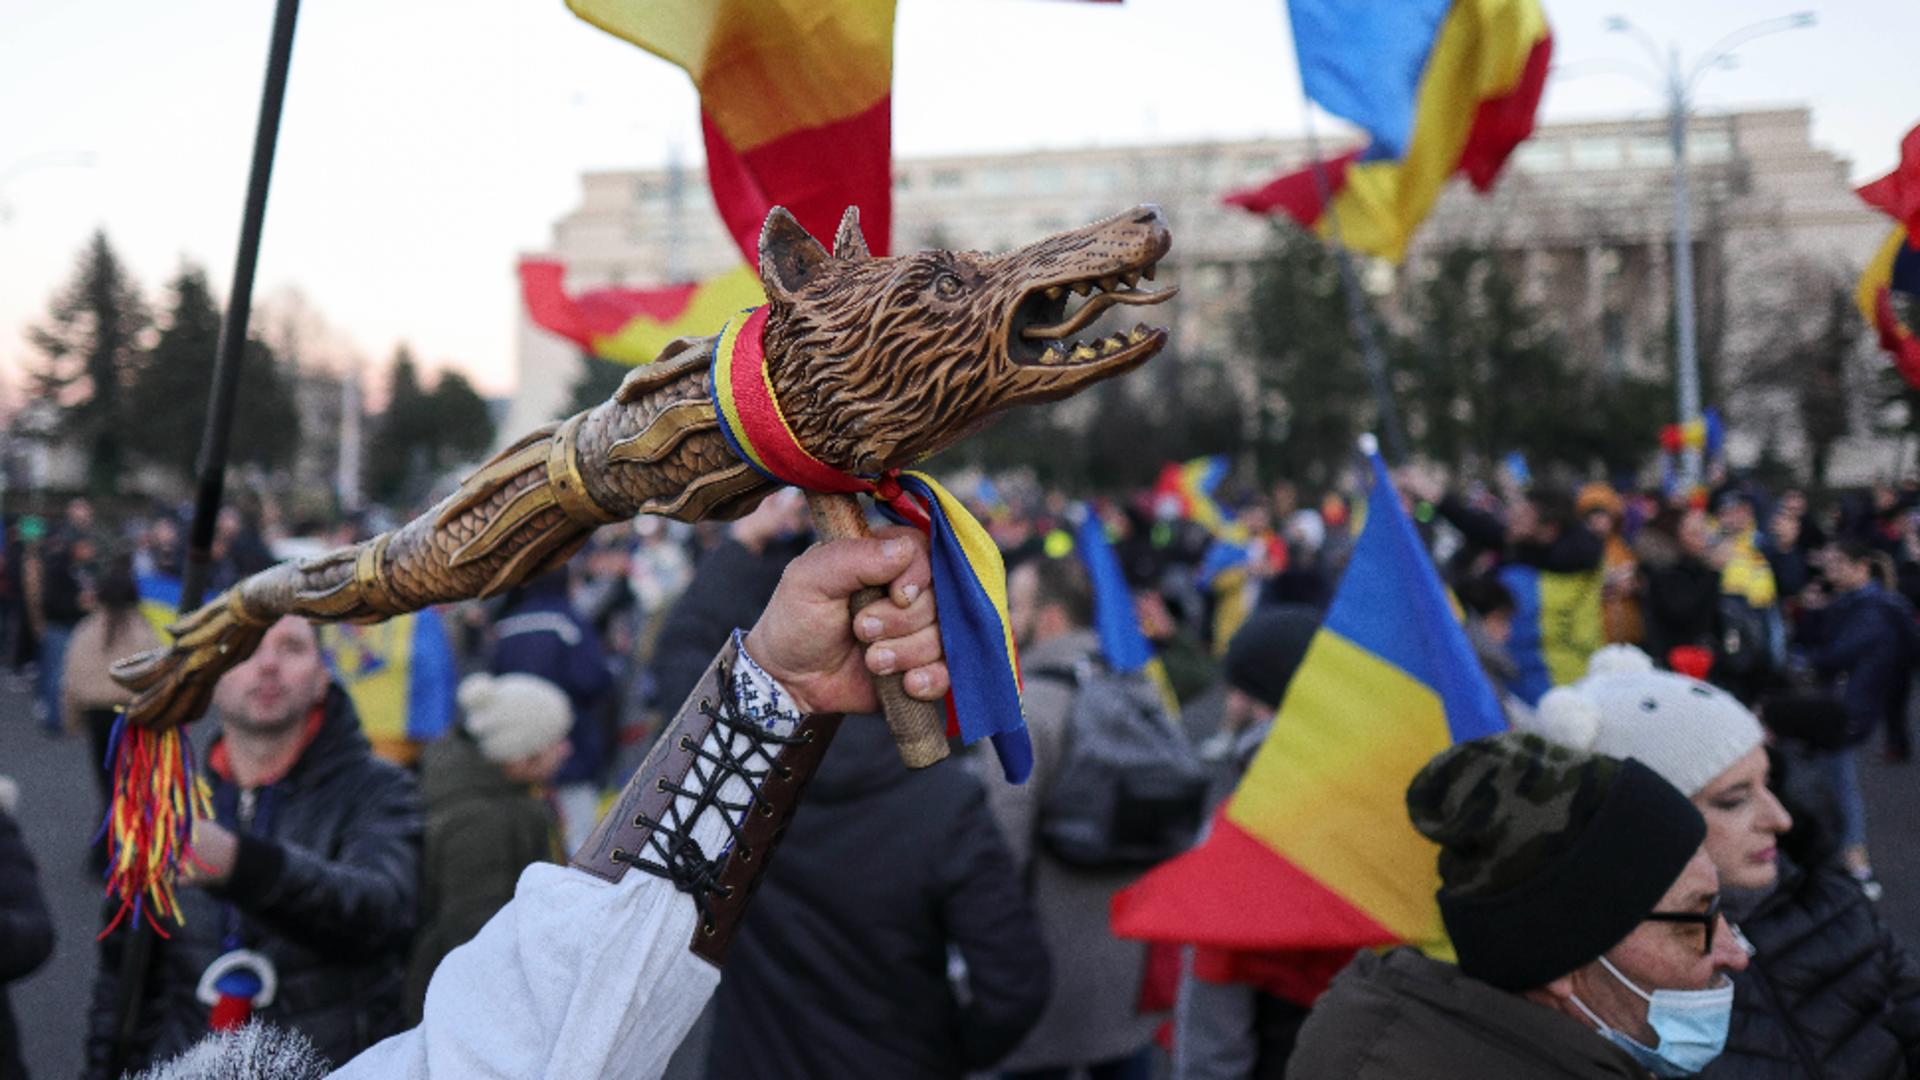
(680, 857)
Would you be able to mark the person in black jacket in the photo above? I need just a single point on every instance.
(306, 879)
(1680, 586)
(26, 934)
(841, 968)
(730, 586)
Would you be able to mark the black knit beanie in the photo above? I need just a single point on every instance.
(1548, 856)
(1267, 649)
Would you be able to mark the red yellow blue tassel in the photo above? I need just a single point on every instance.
(156, 797)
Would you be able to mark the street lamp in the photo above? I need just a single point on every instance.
(1677, 82)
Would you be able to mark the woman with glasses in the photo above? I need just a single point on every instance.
(1828, 993)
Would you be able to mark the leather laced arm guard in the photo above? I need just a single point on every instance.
(710, 803)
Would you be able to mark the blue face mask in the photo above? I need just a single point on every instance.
(1691, 1024)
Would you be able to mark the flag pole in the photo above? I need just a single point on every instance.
(1357, 320)
(137, 956)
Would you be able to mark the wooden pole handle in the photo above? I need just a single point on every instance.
(919, 727)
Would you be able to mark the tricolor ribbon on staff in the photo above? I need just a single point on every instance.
(969, 580)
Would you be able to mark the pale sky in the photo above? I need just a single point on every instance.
(426, 143)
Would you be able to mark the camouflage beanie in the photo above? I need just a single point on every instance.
(1548, 856)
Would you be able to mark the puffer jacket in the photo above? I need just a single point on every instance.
(325, 884)
(1403, 1016)
(26, 935)
(1830, 995)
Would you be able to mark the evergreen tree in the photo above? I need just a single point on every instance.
(91, 341)
(422, 433)
(400, 448)
(175, 382)
(1483, 375)
(462, 426)
(1314, 395)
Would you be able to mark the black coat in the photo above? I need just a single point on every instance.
(840, 968)
(731, 586)
(326, 886)
(1828, 984)
(26, 934)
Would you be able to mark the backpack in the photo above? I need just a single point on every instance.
(1128, 791)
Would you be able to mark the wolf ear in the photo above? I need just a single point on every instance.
(789, 257)
(848, 243)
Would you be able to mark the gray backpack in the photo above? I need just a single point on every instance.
(1128, 791)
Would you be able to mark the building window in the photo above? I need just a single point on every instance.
(1708, 147)
(1650, 152)
(1596, 153)
(1540, 157)
(948, 180)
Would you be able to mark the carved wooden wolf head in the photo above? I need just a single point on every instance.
(881, 362)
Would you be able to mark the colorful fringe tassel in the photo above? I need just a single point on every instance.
(149, 826)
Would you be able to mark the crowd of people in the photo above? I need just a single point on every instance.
(1672, 838)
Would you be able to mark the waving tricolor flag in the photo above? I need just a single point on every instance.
(631, 326)
(1313, 856)
(1439, 86)
(1895, 269)
(796, 103)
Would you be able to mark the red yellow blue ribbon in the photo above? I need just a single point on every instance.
(969, 579)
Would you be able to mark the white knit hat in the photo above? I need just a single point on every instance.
(514, 716)
(1683, 729)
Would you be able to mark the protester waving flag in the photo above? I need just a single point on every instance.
(1313, 856)
(632, 326)
(1439, 86)
(796, 100)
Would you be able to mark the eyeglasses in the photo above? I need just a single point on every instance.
(1710, 919)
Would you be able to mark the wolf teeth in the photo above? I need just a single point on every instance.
(1109, 283)
(1137, 335)
(1084, 352)
(1082, 288)
(1130, 278)
(1055, 292)
(1148, 272)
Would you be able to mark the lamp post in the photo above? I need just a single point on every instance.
(1676, 82)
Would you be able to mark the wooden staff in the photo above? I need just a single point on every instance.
(919, 727)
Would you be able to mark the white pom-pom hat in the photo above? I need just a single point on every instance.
(514, 716)
(1683, 729)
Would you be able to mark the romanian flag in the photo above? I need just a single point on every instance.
(1895, 268)
(632, 326)
(401, 677)
(796, 101)
(1313, 856)
(1439, 86)
(1192, 485)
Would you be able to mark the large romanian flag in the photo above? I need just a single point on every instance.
(795, 98)
(1313, 857)
(631, 326)
(1895, 269)
(1439, 86)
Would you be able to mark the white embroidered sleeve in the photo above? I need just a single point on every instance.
(576, 977)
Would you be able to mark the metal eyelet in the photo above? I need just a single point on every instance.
(620, 855)
(746, 854)
(660, 784)
(806, 737)
(766, 809)
(709, 930)
(640, 822)
(686, 743)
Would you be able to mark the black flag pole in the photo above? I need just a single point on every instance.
(138, 954)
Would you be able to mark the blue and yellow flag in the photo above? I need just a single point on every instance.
(401, 677)
(1314, 851)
